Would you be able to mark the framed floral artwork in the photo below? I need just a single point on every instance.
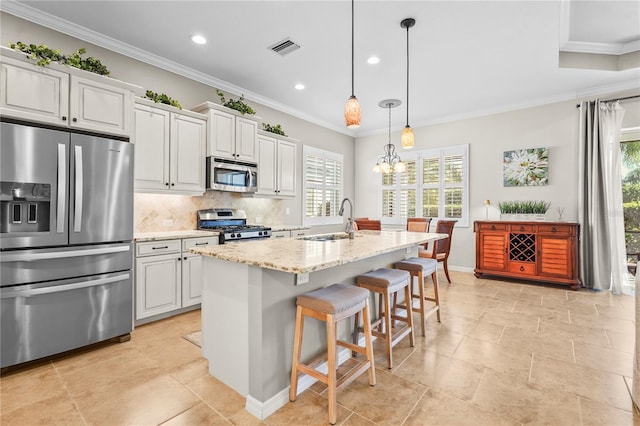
(526, 167)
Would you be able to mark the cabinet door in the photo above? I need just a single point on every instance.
(554, 258)
(266, 165)
(222, 135)
(286, 175)
(192, 279)
(151, 142)
(494, 251)
(246, 136)
(33, 93)
(158, 287)
(188, 139)
(299, 232)
(280, 234)
(98, 106)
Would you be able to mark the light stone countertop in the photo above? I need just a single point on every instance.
(299, 256)
(172, 235)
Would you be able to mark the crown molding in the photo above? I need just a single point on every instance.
(28, 13)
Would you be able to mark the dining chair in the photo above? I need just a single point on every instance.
(418, 224)
(441, 248)
(370, 224)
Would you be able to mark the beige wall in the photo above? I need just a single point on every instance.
(152, 211)
(553, 126)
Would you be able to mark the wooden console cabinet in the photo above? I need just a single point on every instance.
(540, 251)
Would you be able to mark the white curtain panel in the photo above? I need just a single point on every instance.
(636, 359)
(600, 196)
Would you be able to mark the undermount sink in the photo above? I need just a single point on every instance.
(327, 237)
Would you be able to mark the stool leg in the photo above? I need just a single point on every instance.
(421, 294)
(407, 295)
(297, 343)
(331, 361)
(387, 324)
(434, 277)
(356, 331)
(367, 342)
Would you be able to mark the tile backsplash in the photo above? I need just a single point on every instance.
(164, 212)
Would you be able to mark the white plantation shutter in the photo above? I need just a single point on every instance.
(434, 185)
(322, 186)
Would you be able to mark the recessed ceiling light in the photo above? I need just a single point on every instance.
(373, 60)
(299, 86)
(198, 39)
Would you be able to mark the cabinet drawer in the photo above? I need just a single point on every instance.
(492, 226)
(157, 247)
(556, 229)
(280, 234)
(188, 243)
(527, 268)
(299, 232)
(521, 228)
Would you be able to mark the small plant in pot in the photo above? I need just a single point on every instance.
(273, 129)
(534, 210)
(237, 104)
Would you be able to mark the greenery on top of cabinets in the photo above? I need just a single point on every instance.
(236, 104)
(524, 207)
(162, 99)
(43, 56)
(273, 129)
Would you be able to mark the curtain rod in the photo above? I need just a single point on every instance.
(617, 99)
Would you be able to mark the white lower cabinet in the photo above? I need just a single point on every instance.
(287, 234)
(168, 277)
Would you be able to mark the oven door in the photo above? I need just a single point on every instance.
(231, 175)
(34, 174)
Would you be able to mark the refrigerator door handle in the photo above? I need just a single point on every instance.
(64, 287)
(30, 257)
(77, 215)
(62, 188)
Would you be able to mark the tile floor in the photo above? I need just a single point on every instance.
(505, 354)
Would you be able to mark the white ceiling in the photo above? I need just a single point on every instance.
(467, 58)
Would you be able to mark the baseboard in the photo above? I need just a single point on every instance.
(262, 410)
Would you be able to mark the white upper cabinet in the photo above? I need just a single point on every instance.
(64, 96)
(276, 166)
(169, 149)
(231, 134)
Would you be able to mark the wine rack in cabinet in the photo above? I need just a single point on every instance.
(540, 251)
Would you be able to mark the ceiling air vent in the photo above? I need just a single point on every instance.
(285, 46)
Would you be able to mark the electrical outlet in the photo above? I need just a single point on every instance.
(287, 211)
(302, 278)
(167, 222)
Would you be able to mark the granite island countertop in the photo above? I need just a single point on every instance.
(299, 256)
(172, 235)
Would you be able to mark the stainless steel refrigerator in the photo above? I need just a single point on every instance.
(66, 230)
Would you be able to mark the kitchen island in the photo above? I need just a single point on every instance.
(248, 304)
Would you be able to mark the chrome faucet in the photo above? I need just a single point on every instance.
(350, 231)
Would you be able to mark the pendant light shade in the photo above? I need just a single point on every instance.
(408, 139)
(352, 112)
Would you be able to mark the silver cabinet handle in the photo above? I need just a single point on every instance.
(64, 287)
(62, 188)
(77, 216)
(159, 248)
(30, 257)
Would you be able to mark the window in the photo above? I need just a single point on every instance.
(322, 186)
(434, 185)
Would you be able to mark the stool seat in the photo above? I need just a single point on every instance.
(392, 279)
(334, 299)
(420, 267)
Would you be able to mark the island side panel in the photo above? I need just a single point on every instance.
(225, 322)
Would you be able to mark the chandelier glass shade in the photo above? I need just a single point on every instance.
(352, 112)
(390, 161)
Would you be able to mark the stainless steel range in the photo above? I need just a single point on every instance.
(232, 225)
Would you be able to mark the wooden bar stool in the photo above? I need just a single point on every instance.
(332, 304)
(386, 282)
(420, 267)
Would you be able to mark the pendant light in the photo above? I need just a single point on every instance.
(408, 138)
(352, 113)
(390, 161)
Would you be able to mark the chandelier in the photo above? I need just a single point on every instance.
(390, 161)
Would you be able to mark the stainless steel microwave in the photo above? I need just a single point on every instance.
(231, 175)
